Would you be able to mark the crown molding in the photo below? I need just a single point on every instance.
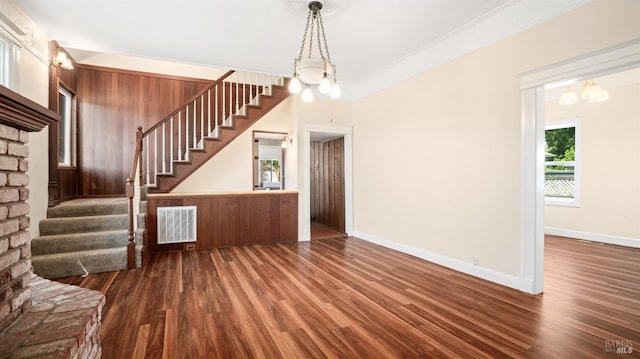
(512, 18)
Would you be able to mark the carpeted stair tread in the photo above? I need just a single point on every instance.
(70, 242)
(80, 263)
(89, 207)
(62, 225)
(87, 235)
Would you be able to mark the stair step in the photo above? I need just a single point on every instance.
(80, 263)
(89, 207)
(83, 262)
(141, 220)
(73, 242)
(62, 225)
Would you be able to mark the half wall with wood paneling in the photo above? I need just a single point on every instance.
(230, 219)
(112, 104)
(327, 183)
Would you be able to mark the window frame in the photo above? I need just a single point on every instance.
(575, 122)
(67, 124)
(9, 60)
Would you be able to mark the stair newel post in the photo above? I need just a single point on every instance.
(130, 190)
(139, 136)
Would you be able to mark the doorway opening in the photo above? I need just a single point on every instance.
(327, 186)
(608, 61)
(328, 191)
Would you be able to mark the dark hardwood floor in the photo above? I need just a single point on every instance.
(319, 231)
(348, 298)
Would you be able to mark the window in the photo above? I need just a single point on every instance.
(268, 160)
(9, 54)
(65, 130)
(5, 52)
(561, 166)
(270, 171)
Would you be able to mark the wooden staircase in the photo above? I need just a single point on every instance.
(182, 142)
(174, 148)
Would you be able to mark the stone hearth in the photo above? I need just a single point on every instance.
(63, 322)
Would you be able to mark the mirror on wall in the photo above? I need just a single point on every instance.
(268, 160)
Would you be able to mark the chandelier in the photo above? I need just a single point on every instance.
(591, 92)
(309, 68)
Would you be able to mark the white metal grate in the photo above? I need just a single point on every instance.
(176, 224)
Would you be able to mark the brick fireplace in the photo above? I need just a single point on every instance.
(38, 317)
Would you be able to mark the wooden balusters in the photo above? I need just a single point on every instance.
(196, 120)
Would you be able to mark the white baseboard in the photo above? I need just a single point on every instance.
(464, 267)
(595, 237)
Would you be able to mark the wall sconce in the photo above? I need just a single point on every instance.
(287, 142)
(59, 57)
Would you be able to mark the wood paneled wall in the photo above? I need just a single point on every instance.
(230, 219)
(327, 183)
(112, 104)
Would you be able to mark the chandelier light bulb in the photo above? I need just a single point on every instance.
(568, 97)
(335, 91)
(313, 65)
(590, 91)
(295, 86)
(307, 95)
(325, 85)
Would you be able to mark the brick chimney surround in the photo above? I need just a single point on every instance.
(38, 317)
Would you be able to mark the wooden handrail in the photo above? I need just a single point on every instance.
(130, 191)
(187, 102)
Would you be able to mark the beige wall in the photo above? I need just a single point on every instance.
(232, 168)
(437, 157)
(33, 83)
(610, 165)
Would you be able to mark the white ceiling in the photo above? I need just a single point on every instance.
(364, 36)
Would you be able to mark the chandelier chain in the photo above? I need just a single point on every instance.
(324, 38)
(313, 22)
(304, 37)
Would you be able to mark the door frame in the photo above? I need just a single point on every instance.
(617, 58)
(347, 133)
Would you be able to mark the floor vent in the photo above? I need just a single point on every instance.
(176, 224)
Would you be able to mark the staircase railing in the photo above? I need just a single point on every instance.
(200, 118)
(130, 189)
(186, 128)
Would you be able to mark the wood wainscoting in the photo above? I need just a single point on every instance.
(327, 183)
(230, 219)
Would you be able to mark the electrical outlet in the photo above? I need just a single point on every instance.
(476, 261)
(190, 247)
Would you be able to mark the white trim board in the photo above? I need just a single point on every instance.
(455, 264)
(304, 233)
(594, 237)
(609, 60)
